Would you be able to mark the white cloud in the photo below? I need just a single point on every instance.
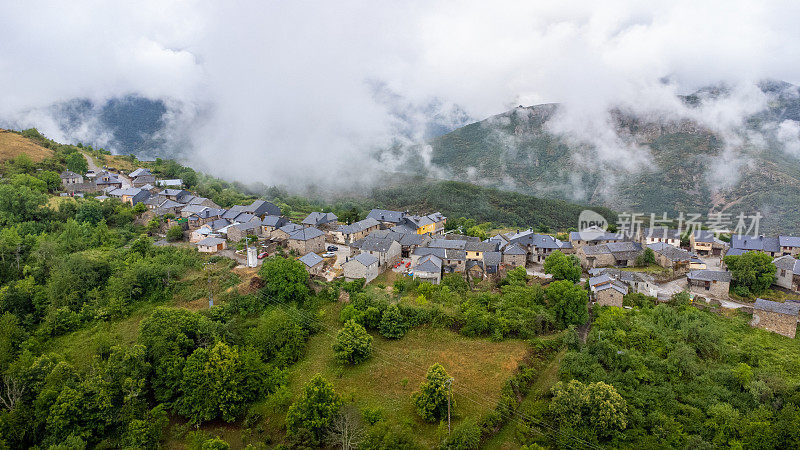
(285, 92)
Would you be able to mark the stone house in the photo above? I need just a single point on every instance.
(427, 224)
(134, 195)
(107, 179)
(476, 250)
(141, 177)
(283, 233)
(593, 236)
(239, 231)
(706, 243)
(671, 257)
(610, 293)
(386, 218)
(787, 272)
(428, 268)
(270, 224)
(408, 241)
(209, 229)
(319, 219)
(345, 234)
(262, 208)
(538, 246)
(789, 245)
(453, 259)
(307, 240)
(491, 262)
(612, 254)
(776, 317)
(178, 195)
(709, 283)
(386, 249)
(313, 263)
(514, 255)
(764, 244)
(636, 281)
(205, 216)
(362, 265)
(211, 245)
(671, 236)
(69, 179)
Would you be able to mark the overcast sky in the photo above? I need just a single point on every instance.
(260, 86)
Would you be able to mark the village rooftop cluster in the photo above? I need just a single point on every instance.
(418, 246)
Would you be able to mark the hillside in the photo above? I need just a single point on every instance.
(457, 199)
(688, 168)
(13, 144)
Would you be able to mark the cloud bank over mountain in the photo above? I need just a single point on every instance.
(290, 92)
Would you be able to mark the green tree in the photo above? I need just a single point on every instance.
(19, 204)
(211, 385)
(279, 337)
(77, 163)
(568, 302)
(285, 280)
(175, 233)
(139, 208)
(393, 325)
(215, 443)
(148, 431)
(51, 179)
(431, 400)
(646, 258)
(353, 344)
(89, 211)
(314, 410)
(562, 267)
(466, 436)
(516, 277)
(753, 270)
(597, 406)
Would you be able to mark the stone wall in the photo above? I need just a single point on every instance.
(783, 324)
(609, 297)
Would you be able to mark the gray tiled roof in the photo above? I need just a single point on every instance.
(709, 275)
(788, 262)
(617, 286)
(789, 241)
(788, 307)
(661, 233)
(492, 258)
(138, 172)
(671, 252)
(762, 243)
(443, 253)
(359, 226)
(514, 249)
(374, 244)
(310, 259)
(234, 211)
(385, 215)
(290, 228)
(448, 243)
(600, 279)
(273, 221)
(211, 241)
(318, 218)
(480, 246)
(262, 207)
(366, 259)
(305, 234)
(429, 263)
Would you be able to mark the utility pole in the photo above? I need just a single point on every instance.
(449, 394)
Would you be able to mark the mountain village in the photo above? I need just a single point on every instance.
(418, 246)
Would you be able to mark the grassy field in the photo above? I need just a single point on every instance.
(13, 145)
(771, 294)
(397, 368)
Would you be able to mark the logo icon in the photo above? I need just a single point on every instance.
(591, 224)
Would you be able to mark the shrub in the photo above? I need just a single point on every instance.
(353, 344)
(466, 436)
(175, 233)
(431, 400)
(393, 324)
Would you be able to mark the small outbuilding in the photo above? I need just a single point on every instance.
(313, 263)
(776, 317)
(211, 245)
(362, 265)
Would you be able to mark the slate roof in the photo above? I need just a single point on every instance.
(385, 215)
(514, 249)
(761, 243)
(373, 244)
(218, 224)
(594, 234)
(789, 241)
(290, 228)
(788, 307)
(661, 233)
(600, 279)
(69, 174)
(404, 229)
(262, 207)
(210, 212)
(709, 275)
(429, 263)
(138, 172)
(448, 243)
(234, 211)
(529, 238)
(210, 241)
(193, 209)
(405, 239)
(443, 253)
(171, 182)
(492, 258)
(310, 259)
(365, 259)
(480, 247)
(613, 248)
(736, 252)
(318, 218)
(305, 234)
(356, 227)
(274, 221)
(671, 252)
(788, 262)
(617, 286)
